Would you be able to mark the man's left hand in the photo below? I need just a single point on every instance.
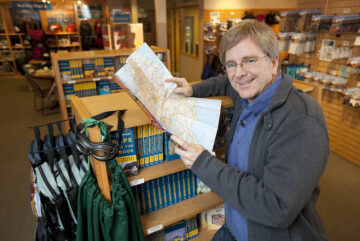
(188, 152)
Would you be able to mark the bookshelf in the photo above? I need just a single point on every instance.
(74, 78)
(159, 219)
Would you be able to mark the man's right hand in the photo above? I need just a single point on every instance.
(184, 88)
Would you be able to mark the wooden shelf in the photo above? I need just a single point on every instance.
(134, 116)
(304, 87)
(87, 80)
(63, 33)
(179, 211)
(159, 170)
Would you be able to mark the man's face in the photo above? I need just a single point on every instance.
(258, 70)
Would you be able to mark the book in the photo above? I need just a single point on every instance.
(170, 154)
(175, 232)
(127, 154)
(215, 217)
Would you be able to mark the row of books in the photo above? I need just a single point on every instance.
(183, 230)
(149, 145)
(93, 67)
(165, 191)
(89, 89)
(71, 70)
(143, 146)
(89, 68)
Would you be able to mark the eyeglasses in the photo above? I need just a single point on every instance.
(246, 63)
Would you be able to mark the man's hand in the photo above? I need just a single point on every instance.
(183, 88)
(188, 152)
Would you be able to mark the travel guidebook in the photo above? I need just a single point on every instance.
(195, 120)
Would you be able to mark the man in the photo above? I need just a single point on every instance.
(276, 149)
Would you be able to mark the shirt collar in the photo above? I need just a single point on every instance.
(261, 102)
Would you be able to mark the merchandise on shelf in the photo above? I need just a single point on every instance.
(103, 87)
(352, 97)
(297, 71)
(353, 65)
(85, 89)
(288, 22)
(175, 231)
(170, 154)
(127, 153)
(89, 70)
(213, 218)
(65, 70)
(345, 23)
(76, 69)
(149, 145)
(165, 191)
(305, 18)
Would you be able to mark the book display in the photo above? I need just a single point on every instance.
(165, 191)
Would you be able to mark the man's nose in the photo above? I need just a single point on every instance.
(239, 70)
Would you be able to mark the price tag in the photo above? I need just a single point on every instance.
(346, 43)
(96, 79)
(346, 10)
(110, 77)
(137, 182)
(71, 82)
(154, 229)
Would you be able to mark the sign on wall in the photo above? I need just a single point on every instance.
(31, 5)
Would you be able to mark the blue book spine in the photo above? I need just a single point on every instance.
(158, 193)
(152, 195)
(171, 185)
(146, 144)
(140, 146)
(140, 194)
(179, 186)
(147, 197)
(155, 146)
(176, 187)
(188, 183)
(151, 145)
(194, 184)
(182, 185)
(160, 138)
(184, 188)
(163, 192)
(170, 154)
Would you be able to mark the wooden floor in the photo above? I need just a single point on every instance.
(339, 202)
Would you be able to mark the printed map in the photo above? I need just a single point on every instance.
(194, 120)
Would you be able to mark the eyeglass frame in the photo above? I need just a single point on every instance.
(241, 64)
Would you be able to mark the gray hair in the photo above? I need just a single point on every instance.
(259, 32)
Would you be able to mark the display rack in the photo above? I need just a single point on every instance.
(134, 116)
(342, 121)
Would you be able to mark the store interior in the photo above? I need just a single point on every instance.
(53, 50)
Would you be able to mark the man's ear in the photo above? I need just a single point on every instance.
(275, 65)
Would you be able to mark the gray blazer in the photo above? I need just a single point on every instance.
(287, 157)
